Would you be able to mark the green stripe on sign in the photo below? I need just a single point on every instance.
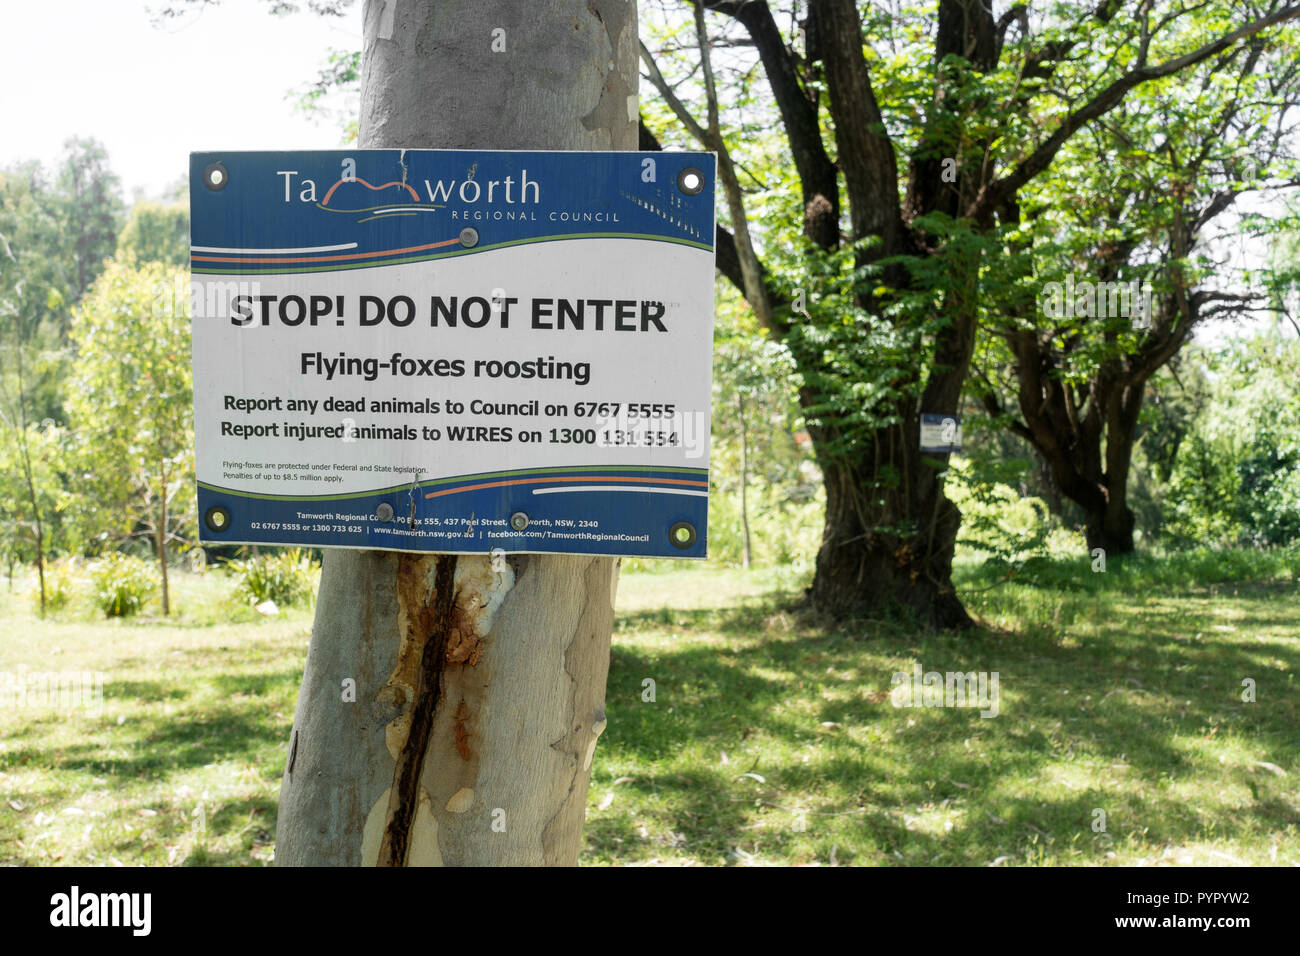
(201, 268)
(432, 482)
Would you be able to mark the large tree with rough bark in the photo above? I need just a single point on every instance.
(908, 187)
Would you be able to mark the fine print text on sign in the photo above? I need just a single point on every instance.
(454, 350)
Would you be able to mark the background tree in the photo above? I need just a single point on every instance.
(932, 174)
(156, 232)
(34, 283)
(130, 405)
(1236, 480)
(89, 212)
(31, 298)
(1176, 156)
(755, 453)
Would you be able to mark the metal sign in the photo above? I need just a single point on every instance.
(454, 350)
(940, 433)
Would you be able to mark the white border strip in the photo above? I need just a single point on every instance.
(346, 245)
(641, 488)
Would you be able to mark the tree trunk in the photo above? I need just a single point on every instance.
(888, 548)
(1089, 455)
(744, 489)
(478, 694)
(1110, 528)
(25, 448)
(40, 561)
(162, 549)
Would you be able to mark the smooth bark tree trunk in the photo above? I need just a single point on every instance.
(162, 549)
(746, 554)
(479, 691)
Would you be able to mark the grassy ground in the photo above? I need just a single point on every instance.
(771, 738)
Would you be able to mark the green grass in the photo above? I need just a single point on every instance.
(771, 739)
(183, 763)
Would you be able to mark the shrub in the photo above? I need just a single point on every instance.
(62, 582)
(997, 520)
(285, 577)
(121, 583)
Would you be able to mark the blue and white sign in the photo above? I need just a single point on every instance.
(454, 350)
(940, 434)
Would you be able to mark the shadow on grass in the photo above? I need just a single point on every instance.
(1128, 691)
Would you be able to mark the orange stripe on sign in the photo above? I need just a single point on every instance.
(406, 186)
(351, 255)
(567, 478)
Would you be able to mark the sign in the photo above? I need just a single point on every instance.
(454, 350)
(940, 433)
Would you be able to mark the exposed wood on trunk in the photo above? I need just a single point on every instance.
(429, 610)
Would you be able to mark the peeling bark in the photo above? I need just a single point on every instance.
(430, 619)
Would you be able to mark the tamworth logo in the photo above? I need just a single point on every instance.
(102, 909)
(353, 195)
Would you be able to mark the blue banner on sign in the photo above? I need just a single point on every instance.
(332, 210)
(454, 350)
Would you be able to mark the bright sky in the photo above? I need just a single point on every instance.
(217, 78)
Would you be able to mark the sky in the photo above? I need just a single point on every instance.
(219, 78)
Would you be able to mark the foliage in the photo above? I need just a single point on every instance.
(122, 583)
(35, 295)
(340, 78)
(996, 519)
(63, 582)
(45, 453)
(156, 233)
(130, 404)
(89, 212)
(764, 480)
(784, 531)
(287, 577)
(1237, 477)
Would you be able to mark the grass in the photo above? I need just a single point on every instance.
(771, 737)
(183, 763)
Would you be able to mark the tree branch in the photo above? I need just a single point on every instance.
(818, 179)
(992, 195)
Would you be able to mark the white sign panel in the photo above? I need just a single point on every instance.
(454, 351)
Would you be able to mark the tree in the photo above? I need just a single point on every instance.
(28, 297)
(130, 403)
(1236, 480)
(932, 169)
(155, 232)
(1133, 264)
(34, 282)
(89, 210)
(471, 737)
(755, 411)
